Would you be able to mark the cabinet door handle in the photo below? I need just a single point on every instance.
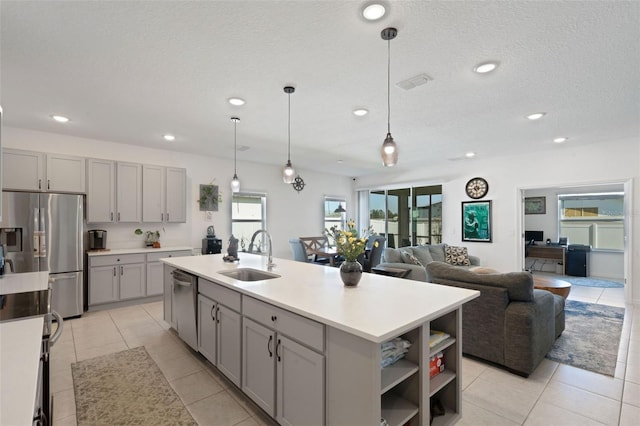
(212, 314)
(114, 271)
(167, 217)
(274, 318)
(118, 216)
(218, 314)
(269, 346)
(111, 216)
(48, 183)
(161, 217)
(39, 183)
(278, 350)
(121, 270)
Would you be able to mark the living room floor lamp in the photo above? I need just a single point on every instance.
(389, 149)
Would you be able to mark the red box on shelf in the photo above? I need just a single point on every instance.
(436, 364)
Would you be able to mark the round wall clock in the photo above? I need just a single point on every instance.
(477, 188)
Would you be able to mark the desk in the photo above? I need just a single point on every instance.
(548, 252)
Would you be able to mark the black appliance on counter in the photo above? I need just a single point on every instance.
(211, 244)
(97, 239)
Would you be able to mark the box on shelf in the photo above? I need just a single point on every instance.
(436, 364)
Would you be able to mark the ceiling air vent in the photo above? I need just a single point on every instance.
(414, 82)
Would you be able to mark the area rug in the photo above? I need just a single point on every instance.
(125, 388)
(591, 337)
(592, 282)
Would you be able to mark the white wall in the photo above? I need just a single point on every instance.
(289, 213)
(568, 164)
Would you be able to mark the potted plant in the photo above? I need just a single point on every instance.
(152, 238)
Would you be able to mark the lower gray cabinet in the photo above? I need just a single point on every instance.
(103, 284)
(116, 277)
(132, 281)
(284, 378)
(220, 331)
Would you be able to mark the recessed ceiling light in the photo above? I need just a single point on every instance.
(360, 112)
(470, 154)
(169, 137)
(485, 67)
(536, 115)
(60, 118)
(236, 101)
(373, 11)
(560, 140)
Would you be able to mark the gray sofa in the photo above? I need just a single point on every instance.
(425, 254)
(511, 323)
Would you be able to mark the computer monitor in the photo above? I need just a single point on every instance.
(533, 236)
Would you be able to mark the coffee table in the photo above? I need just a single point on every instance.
(391, 272)
(554, 285)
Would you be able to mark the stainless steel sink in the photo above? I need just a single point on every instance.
(248, 274)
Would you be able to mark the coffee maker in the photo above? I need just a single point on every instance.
(97, 239)
(211, 244)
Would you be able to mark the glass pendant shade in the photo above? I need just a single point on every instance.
(235, 182)
(389, 151)
(288, 173)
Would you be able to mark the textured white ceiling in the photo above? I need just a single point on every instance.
(131, 71)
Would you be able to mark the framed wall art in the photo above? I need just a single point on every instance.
(535, 205)
(476, 221)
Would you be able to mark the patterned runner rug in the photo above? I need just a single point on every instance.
(125, 388)
(591, 337)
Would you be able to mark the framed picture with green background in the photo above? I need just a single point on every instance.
(476, 221)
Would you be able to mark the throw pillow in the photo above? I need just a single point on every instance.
(391, 255)
(410, 258)
(458, 256)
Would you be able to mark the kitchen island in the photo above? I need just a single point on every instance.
(323, 340)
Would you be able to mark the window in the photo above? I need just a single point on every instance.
(248, 214)
(407, 216)
(593, 219)
(332, 214)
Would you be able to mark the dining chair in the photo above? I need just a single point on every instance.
(374, 255)
(298, 250)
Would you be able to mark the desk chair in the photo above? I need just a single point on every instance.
(298, 250)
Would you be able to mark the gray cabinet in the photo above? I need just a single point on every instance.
(164, 194)
(220, 328)
(155, 270)
(37, 171)
(114, 191)
(116, 277)
(103, 284)
(283, 363)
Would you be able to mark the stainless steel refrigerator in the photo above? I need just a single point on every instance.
(44, 232)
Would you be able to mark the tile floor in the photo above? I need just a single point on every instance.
(555, 394)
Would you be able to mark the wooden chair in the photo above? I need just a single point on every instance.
(312, 244)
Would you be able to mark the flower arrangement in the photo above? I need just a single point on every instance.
(347, 241)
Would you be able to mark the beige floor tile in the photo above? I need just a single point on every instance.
(589, 381)
(64, 404)
(218, 410)
(251, 421)
(585, 403)
(169, 349)
(545, 414)
(611, 302)
(472, 415)
(67, 421)
(195, 387)
(471, 369)
(179, 367)
(631, 394)
(61, 381)
(506, 398)
(632, 372)
(630, 415)
(92, 352)
(98, 339)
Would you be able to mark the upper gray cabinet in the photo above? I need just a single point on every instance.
(37, 171)
(164, 194)
(115, 191)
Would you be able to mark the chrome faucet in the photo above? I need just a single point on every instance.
(270, 263)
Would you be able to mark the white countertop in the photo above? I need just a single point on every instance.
(138, 250)
(20, 342)
(24, 282)
(379, 308)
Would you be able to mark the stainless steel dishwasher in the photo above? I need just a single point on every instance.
(185, 296)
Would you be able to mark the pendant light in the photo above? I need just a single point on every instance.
(340, 209)
(288, 173)
(389, 149)
(235, 182)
